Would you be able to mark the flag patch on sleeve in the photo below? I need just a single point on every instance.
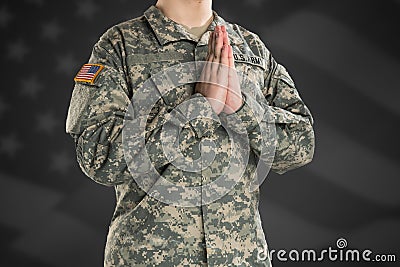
(88, 73)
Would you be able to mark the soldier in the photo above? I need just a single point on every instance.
(145, 231)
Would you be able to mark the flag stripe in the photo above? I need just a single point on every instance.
(88, 73)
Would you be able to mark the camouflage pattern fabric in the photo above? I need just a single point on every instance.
(147, 232)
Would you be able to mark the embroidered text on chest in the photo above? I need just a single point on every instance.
(249, 59)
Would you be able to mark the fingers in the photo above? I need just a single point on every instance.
(214, 36)
(210, 45)
(225, 55)
(217, 39)
(215, 75)
(232, 71)
(223, 70)
(218, 43)
(225, 38)
(231, 61)
(219, 57)
(207, 70)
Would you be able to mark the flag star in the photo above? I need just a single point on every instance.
(61, 162)
(3, 106)
(87, 9)
(67, 64)
(17, 50)
(5, 16)
(46, 123)
(91, 38)
(256, 3)
(51, 31)
(226, 14)
(10, 145)
(31, 86)
(36, 2)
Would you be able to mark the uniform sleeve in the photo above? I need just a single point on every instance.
(96, 119)
(295, 141)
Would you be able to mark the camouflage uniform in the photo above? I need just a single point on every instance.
(147, 232)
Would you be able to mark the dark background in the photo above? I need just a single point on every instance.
(344, 57)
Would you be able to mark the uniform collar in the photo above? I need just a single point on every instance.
(167, 30)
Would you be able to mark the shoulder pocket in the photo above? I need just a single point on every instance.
(81, 95)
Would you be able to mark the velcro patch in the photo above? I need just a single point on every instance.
(88, 73)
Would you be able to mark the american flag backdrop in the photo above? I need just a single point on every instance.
(344, 57)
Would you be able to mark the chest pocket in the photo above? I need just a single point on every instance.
(143, 66)
(164, 71)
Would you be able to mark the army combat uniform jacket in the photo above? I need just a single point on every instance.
(145, 231)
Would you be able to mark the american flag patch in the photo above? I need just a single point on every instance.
(88, 73)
